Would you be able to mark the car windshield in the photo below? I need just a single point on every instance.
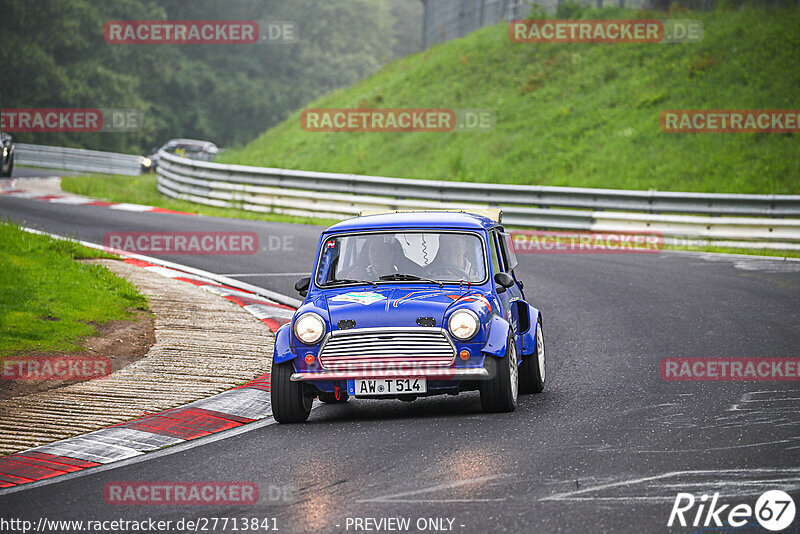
(402, 256)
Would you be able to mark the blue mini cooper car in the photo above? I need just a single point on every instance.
(410, 304)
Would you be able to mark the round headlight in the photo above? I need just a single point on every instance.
(309, 328)
(463, 324)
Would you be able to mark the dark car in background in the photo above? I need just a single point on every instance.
(6, 155)
(187, 148)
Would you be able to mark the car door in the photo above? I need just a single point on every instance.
(503, 261)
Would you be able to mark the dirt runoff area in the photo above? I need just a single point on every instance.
(116, 345)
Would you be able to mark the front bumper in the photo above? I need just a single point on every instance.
(477, 373)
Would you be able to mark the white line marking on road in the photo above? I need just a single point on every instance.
(84, 447)
(172, 273)
(71, 200)
(617, 499)
(245, 275)
(424, 501)
(250, 403)
(738, 482)
(701, 449)
(261, 311)
(437, 487)
(130, 207)
(569, 495)
(573, 495)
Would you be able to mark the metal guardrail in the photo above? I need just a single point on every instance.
(77, 159)
(764, 218)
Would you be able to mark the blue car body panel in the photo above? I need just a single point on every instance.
(527, 339)
(283, 349)
(498, 337)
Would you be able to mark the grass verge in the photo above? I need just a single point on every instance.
(744, 251)
(49, 301)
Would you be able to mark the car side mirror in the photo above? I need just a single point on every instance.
(504, 281)
(301, 286)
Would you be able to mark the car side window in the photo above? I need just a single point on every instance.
(497, 266)
(507, 249)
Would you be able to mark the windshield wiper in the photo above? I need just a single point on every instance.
(407, 276)
(349, 281)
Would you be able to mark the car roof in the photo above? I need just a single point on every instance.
(427, 220)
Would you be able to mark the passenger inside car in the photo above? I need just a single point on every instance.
(453, 258)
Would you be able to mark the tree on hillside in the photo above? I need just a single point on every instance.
(56, 57)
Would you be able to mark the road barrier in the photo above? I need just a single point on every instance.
(77, 159)
(752, 220)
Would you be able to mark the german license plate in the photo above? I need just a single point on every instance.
(387, 386)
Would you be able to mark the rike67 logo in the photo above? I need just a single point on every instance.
(774, 511)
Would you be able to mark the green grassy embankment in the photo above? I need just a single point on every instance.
(580, 115)
(49, 301)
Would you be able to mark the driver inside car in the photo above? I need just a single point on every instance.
(385, 258)
(382, 259)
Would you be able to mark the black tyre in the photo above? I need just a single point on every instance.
(499, 393)
(290, 404)
(330, 398)
(532, 370)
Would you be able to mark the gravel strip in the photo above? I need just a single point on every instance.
(204, 345)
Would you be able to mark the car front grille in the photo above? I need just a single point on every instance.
(376, 347)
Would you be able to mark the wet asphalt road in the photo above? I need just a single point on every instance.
(606, 447)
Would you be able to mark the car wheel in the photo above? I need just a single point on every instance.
(532, 370)
(499, 393)
(290, 404)
(330, 398)
(11, 167)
